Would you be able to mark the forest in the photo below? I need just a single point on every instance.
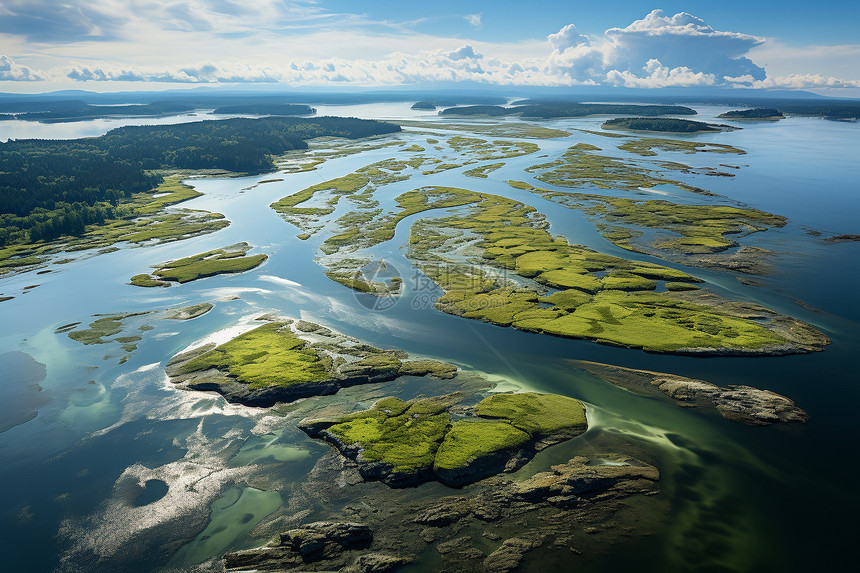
(50, 188)
(547, 110)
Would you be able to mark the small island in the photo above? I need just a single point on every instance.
(264, 108)
(760, 113)
(424, 105)
(285, 360)
(667, 124)
(405, 444)
(226, 260)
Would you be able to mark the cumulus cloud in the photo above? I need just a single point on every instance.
(656, 51)
(567, 37)
(466, 52)
(659, 76)
(671, 50)
(202, 74)
(806, 81)
(11, 71)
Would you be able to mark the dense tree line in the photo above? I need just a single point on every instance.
(266, 108)
(50, 188)
(661, 124)
(757, 113)
(568, 109)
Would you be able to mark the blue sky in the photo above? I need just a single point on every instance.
(110, 45)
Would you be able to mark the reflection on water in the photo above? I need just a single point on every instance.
(120, 471)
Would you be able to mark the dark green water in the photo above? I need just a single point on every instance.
(81, 480)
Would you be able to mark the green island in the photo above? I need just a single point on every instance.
(699, 228)
(265, 108)
(405, 443)
(663, 124)
(230, 259)
(549, 110)
(106, 328)
(646, 145)
(483, 171)
(579, 166)
(760, 113)
(524, 130)
(285, 360)
(599, 297)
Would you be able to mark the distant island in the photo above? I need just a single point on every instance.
(768, 113)
(423, 105)
(548, 110)
(266, 108)
(662, 124)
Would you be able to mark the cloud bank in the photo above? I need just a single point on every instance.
(656, 51)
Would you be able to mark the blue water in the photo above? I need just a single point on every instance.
(75, 477)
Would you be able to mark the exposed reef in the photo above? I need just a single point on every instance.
(742, 403)
(405, 444)
(494, 527)
(284, 361)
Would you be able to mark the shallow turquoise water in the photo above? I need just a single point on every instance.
(738, 498)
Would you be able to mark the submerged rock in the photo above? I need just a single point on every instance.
(743, 404)
(322, 540)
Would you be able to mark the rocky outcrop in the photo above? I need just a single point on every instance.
(743, 404)
(404, 444)
(470, 531)
(322, 540)
(343, 361)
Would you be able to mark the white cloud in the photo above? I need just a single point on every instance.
(474, 19)
(567, 37)
(11, 71)
(299, 43)
(659, 76)
(204, 73)
(466, 52)
(806, 81)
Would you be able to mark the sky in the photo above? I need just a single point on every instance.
(117, 45)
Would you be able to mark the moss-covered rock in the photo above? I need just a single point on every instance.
(284, 361)
(408, 443)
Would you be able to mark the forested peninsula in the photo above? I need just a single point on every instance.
(52, 188)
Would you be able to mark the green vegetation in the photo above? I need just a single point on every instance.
(483, 150)
(756, 113)
(525, 130)
(547, 109)
(700, 228)
(265, 108)
(406, 443)
(483, 170)
(423, 105)
(662, 124)
(145, 280)
(267, 355)
(139, 219)
(594, 302)
(578, 167)
(53, 188)
(219, 261)
(645, 146)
